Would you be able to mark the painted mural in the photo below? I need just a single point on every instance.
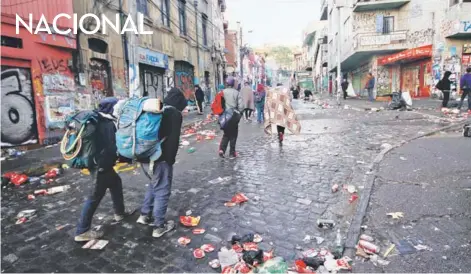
(17, 107)
(100, 79)
(184, 79)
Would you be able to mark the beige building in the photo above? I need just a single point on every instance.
(406, 44)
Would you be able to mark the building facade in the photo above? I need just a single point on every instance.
(38, 83)
(405, 44)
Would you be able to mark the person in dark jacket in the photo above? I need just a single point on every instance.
(465, 84)
(296, 92)
(103, 175)
(344, 86)
(199, 95)
(159, 190)
(445, 86)
(370, 85)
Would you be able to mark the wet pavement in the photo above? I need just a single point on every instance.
(288, 186)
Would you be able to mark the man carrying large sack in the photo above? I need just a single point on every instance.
(158, 193)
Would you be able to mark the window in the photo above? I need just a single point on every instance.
(165, 13)
(97, 45)
(12, 42)
(205, 29)
(142, 7)
(182, 16)
(388, 24)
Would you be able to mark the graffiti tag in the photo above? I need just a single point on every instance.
(466, 26)
(52, 65)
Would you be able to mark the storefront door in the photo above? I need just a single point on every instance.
(414, 79)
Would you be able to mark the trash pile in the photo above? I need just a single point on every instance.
(12, 153)
(238, 199)
(350, 189)
(18, 179)
(367, 250)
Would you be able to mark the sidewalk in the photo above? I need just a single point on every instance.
(51, 154)
(429, 180)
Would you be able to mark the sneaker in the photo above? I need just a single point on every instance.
(143, 220)
(233, 155)
(88, 236)
(118, 217)
(161, 230)
(221, 154)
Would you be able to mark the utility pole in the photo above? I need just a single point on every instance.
(339, 49)
(195, 3)
(242, 52)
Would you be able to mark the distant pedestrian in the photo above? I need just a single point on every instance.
(370, 85)
(279, 112)
(103, 175)
(465, 84)
(344, 88)
(307, 95)
(296, 92)
(159, 189)
(199, 95)
(260, 95)
(232, 106)
(247, 100)
(444, 85)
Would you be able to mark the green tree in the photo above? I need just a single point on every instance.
(282, 55)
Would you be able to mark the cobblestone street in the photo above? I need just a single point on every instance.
(289, 188)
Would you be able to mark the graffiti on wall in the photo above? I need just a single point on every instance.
(57, 82)
(17, 107)
(153, 84)
(119, 83)
(466, 26)
(366, 21)
(99, 79)
(420, 37)
(383, 83)
(184, 81)
(58, 107)
(53, 65)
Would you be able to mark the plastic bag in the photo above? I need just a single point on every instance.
(407, 98)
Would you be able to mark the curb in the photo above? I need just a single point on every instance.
(354, 230)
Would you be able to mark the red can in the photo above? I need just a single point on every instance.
(208, 248)
(184, 241)
(237, 248)
(198, 231)
(250, 247)
(367, 246)
(198, 253)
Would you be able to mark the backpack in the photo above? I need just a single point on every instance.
(258, 97)
(137, 133)
(217, 107)
(79, 146)
(439, 85)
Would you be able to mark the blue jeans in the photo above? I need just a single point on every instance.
(103, 181)
(158, 193)
(260, 108)
(370, 94)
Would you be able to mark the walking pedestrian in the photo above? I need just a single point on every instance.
(260, 102)
(370, 85)
(103, 175)
(159, 190)
(296, 92)
(232, 104)
(248, 101)
(344, 88)
(279, 112)
(465, 84)
(199, 95)
(444, 85)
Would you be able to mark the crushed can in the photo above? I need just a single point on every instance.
(369, 247)
(198, 253)
(335, 188)
(208, 248)
(324, 223)
(366, 238)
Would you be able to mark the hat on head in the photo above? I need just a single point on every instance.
(230, 81)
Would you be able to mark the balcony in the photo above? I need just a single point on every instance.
(380, 42)
(324, 11)
(371, 5)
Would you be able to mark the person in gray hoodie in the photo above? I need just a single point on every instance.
(465, 84)
(232, 100)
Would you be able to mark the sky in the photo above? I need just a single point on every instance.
(272, 21)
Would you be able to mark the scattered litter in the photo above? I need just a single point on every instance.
(404, 247)
(214, 263)
(239, 198)
(423, 247)
(336, 265)
(198, 231)
(31, 197)
(368, 247)
(208, 248)
(351, 189)
(95, 244)
(229, 204)
(353, 198)
(307, 239)
(227, 257)
(324, 223)
(25, 215)
(396, 215)
(241, 267)
(361, 253)
(378, 261)
(366, 238)
(130, 244)
(198, 253)
(444, 257)
(257, 238)
(335, 188)
(319, 240)
(188, 212)
(30, 239)
(189, 220)
(364, 227)
(389, 250)
(60, 227)
(185, 143)
(403, 158)
(220, 180)
(191, 150)
(184, 241)
(237, 248)
(250, 246)
(275, 265)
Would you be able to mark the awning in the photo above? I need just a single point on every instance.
(407, 55)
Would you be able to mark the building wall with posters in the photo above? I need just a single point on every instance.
(38, 84)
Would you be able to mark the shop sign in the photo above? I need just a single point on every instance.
(153, 58)
(406, 54)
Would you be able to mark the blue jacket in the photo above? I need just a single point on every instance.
(371, 83)
(466, 81)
